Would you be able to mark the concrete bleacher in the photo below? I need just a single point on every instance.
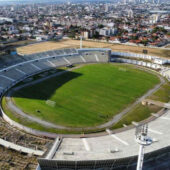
(7, 61)
(103, 57)
(89, 57)
(57, 52)
(59, 61)
(166, 73)
(42, 64)
(20, 148)
(94, 55)
(11, 159)
(27, 68)
(13, 135)
(5, 82)
(74, 59)
(22, 66)
(13, 74)
(137, 62)
(153, 59)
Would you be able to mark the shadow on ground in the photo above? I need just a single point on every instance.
(47, 87)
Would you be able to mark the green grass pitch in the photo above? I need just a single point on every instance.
(87, 96)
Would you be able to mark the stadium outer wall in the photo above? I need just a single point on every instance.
(158, 159)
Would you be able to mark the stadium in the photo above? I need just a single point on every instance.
(77, 108)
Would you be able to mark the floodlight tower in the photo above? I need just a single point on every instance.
(143, 140)
(81, 42)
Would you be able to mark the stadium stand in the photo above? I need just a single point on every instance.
(59, 61)
(13, 74)
(89, 56)
(166, 73)
(5, 81)
(11, 134)
(15, 69)
(27, 68)
(12, 159)
(74, 59)
(42, 64)
(153, 59)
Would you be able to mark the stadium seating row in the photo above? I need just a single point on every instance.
(11, 134)
(154, 59)
(44, 61)
(10, 159)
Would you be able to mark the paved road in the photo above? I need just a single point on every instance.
(157, 103)
(15, 109)
(113, 121)
(139, 100)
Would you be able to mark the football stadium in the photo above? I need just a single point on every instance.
(83, 108)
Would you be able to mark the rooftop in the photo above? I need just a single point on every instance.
(114, 146)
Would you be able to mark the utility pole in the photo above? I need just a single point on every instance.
(81, 42)
(143, 140)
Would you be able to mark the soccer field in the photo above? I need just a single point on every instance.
(87, 96)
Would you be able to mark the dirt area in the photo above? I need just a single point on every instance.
(45, 46)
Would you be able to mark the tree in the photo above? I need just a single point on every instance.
(101, 26)
(96, 36)
(144, 42)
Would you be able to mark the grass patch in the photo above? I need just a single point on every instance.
(139, 113)
(163, 94)
(39, 127)
(39, 75)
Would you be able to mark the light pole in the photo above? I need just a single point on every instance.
(81, 42)
(143, 140)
